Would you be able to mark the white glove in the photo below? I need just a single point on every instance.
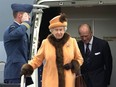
(25, 17)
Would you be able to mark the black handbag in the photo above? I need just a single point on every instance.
(79, 81)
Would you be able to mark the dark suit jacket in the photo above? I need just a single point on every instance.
(98, 67)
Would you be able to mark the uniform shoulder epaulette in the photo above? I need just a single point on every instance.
(12, 26)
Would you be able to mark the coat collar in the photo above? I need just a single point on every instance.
(59, 42)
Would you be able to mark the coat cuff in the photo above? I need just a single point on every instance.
(26, 24)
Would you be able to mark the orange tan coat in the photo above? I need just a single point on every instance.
(47, 52)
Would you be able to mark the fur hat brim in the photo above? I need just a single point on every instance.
(58, 24)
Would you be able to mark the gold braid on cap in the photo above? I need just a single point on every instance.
(62, 18)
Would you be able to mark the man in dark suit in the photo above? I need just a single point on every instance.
(97, 66)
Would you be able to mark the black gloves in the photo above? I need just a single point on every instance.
(27, 70)
(74, 66)
(67, 66)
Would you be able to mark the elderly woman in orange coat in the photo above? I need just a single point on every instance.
(61, 54)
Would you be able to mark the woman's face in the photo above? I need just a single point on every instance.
(58, 32)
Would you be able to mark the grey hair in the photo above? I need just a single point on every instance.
(53, 29)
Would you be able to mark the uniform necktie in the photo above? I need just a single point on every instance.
(87, 52)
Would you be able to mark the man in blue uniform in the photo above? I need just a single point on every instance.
(16, 43)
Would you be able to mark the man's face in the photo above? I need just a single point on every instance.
(58, 32)
(85, 34)
(23, 16)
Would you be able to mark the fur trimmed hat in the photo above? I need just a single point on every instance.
(58, 21)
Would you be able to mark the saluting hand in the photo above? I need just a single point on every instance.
(25, 17)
